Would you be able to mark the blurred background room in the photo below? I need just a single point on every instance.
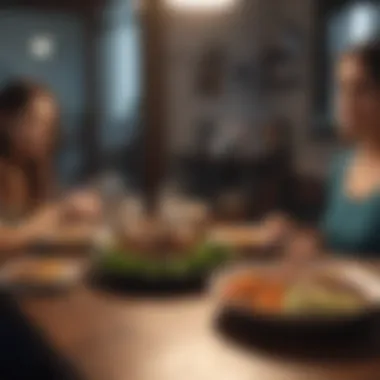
(226, 103)
(242, 103)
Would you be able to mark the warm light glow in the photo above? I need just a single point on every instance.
(41, 47)
(199, 5)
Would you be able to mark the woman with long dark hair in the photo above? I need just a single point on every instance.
(28, 138)
(29, 130)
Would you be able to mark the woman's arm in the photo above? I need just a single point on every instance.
(277, 227)
(33, 228)
(299, 242)
(82, 210)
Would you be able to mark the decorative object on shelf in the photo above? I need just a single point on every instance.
(211, 70)
(279, 70)
(291, 39)
(280, 62)
(204, 135)
(244, 75)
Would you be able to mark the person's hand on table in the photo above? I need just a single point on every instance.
(303, 246)
(277, 228)
(82, 206)
(72, 219)
(33, 229)
(46, 225)
(45, 218)
(300, 244)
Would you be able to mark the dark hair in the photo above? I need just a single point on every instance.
(14, 98)
(15, 95)
(369, 55)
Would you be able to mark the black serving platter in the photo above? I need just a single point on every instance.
(338, 335)
(139, 285)
(171, 275)
(341, 337)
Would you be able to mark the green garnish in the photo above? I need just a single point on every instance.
(199, 261)
(320, 300)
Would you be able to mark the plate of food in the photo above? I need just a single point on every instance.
(45, 274)
(280, 301)
(153, 270)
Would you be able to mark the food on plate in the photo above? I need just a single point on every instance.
(193, 262)
(243, 287)
(256, 292)
(270, 298)
(270, 295)
(39, 271)
(321, 300)
(82, 205)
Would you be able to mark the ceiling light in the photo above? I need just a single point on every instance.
(201, 5)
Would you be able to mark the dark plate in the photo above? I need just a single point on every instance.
(329, 337)
(156, 281)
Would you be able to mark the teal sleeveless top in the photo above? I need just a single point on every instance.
(349, 226)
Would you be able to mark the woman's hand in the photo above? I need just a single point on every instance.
(277, 228)
(300, 245)
(303, 246)
(82, 206)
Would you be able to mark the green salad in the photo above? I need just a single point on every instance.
(200, 260)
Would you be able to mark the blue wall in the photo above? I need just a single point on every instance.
(119, 74)
(117, 65)
(63, 73)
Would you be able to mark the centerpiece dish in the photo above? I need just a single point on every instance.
(155, 259)
(287, 304)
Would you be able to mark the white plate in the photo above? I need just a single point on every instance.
(70, 272)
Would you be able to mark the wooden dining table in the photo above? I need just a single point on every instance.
(109, 336)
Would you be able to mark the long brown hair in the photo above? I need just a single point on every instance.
(15, 98)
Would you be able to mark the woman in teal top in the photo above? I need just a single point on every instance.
(351, 221)
(351, 225)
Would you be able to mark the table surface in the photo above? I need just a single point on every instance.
(110, 337)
